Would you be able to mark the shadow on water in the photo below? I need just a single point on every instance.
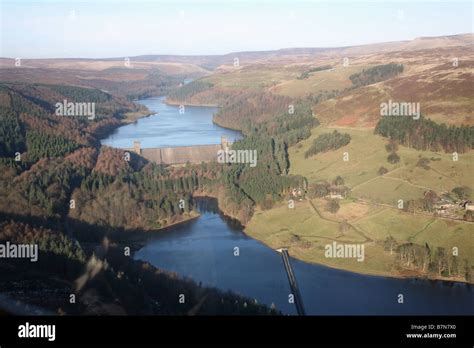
(206, 205)
(203, 250)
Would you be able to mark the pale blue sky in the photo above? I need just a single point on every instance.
(53, 29)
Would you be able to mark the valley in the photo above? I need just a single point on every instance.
(326, 167)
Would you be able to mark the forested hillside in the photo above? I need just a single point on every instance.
(31, 108)
(250, 108)
(133, 82)
(184, 93)
(50, 161)
(61, 189)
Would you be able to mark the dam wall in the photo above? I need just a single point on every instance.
(181, 154)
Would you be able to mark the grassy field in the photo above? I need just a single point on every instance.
(326, 80)
(367, 154)
(257, 76)
(418, 229)
(283, 80)
(307, 228)
(305, 232)
(365, 158)
(386, 191)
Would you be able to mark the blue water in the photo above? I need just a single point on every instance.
(168, 128)
(203, 249)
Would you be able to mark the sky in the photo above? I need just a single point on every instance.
(105, 28)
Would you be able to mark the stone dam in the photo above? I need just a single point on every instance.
(181, 154)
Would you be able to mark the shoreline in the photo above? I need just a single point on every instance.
(192, 215)
(368, 273)
(225, 126)
(130, 120)
(296, 257)
(176, 103)
(249, 234)
(226, 214)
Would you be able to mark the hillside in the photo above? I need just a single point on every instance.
(388, 212)
(298, 55)
(445, 92)
(61, 190)
(430, 77)
(133, 81)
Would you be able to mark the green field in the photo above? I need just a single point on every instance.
(418, 229)
(387, 191)
(367, 154)
(257, 76)
(306, 229)
(305, 233)
(326, 80)
(284, 80)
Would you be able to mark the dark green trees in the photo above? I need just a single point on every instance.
(328, 141)
(41, 145)
(424, 134)
(376, 74)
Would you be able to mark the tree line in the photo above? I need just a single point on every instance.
(80, 94)
(188, 90)
(375, 74)
(427, 135)
(428, 259)
(286, 127)
(328, 141)
(12, 138)
(305, 74)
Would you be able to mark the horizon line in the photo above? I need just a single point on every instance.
(237, 52)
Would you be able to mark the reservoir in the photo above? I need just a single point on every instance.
(203, 249)
(167, 127)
